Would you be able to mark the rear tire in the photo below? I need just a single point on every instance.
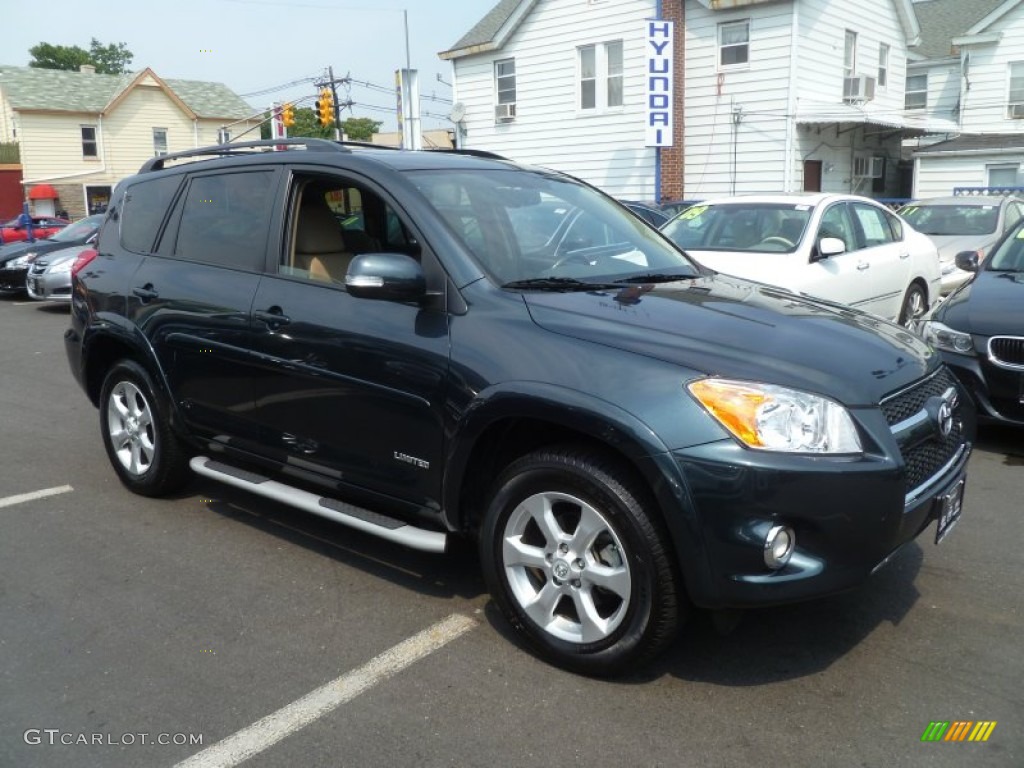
(146, 454)
(578, 563)
(915, 304)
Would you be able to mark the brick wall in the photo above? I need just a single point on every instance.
(672, 157)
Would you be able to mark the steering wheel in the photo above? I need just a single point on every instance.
(778, 240)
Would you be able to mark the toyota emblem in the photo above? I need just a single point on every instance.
(945, 418)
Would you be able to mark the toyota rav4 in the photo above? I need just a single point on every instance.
(429, 345)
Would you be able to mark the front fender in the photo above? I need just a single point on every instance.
(601, 421)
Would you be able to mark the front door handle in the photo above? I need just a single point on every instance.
(863, 265)
(273, 317)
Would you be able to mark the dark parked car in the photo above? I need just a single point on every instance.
(16, 257)
(622, 432)
(979, 329)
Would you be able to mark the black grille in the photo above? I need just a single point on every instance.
(1007, 349)
(924, 458)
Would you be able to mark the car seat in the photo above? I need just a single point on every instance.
(320, 247)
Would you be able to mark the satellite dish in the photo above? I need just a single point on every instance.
(458, 112)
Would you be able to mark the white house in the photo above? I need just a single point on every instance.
(970, 70)
(766, 94)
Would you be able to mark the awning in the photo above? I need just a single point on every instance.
(42, 192)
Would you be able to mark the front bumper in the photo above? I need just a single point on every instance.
(13, 279)
(998, 392)
(850, 514)
(49, 286)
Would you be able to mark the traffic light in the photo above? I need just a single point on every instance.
(288, 115)
(325, 107)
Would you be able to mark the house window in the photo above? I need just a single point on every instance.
(159, 141)
(505, 89)
(883, 65)
(601, 65)
(850, 55)
(89, 144)
(1015, 107)
(734, 43)
(917, 92)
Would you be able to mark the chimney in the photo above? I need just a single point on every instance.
(88, 69)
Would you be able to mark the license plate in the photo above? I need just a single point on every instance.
(949, 506)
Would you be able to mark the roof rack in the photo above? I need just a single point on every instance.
(223, 150)
(473, 153)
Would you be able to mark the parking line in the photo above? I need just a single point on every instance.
(22, 497)
(266, 732)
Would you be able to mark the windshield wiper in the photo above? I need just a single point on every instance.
(556, 284)
(657, 277)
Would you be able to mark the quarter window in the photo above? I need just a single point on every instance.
(225, 218)
(89, 143)
(600, 73)
(917, 92)
(734, 43)
(142, 212)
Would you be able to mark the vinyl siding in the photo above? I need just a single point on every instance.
(605, 148)
(989, 75)
(758, 93)
(938, 176)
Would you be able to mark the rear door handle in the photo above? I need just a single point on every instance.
(863, 265)
(273, 317)
(904, 254)
(146, 292)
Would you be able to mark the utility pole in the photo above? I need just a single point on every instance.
(337, 108)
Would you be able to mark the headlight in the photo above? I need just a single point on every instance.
(20, 261)
(943, 337)
(774, 418)
(64, 266)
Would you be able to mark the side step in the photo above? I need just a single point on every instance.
(347, 514)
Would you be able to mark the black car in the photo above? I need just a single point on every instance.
(622, 432)
(979, 330)
(15, 258)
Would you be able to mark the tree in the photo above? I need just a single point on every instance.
(360, 128)
(112, 59)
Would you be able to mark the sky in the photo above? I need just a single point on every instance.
(255, 45)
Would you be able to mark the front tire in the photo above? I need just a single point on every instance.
(147, 456)
(915, 304)
(578, 564)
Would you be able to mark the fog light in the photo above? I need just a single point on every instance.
(778, 546)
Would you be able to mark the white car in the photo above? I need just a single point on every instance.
(843, 248)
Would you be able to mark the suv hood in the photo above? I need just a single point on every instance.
(738, 329)
(989, 305)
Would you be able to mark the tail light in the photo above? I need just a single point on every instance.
(82, 260)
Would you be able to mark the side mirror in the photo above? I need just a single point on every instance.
(829, 246)
(967, 261)
(387, 276)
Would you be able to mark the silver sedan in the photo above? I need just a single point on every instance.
(49, 275)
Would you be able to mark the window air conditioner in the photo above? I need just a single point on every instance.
(505, 113)
(859, 88)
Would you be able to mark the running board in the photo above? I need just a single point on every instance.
(347, 514)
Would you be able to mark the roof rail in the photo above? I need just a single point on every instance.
(473, 153)
(221, 150)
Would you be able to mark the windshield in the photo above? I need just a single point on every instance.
(747, 227)
(1009, 256)
(952, 219)
(80, 229)
(530, 226)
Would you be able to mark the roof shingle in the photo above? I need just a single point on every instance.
(942, 20)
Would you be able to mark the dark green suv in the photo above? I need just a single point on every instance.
(428, 345)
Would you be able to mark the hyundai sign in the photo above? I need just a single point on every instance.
(658, 57)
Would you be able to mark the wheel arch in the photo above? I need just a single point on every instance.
(512, 421)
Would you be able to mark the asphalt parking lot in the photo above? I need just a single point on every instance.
(240, 632)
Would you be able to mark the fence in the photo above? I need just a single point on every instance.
(1004, 191)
